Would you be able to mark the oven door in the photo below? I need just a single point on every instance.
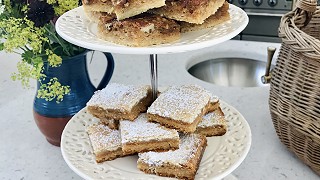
(262, 27)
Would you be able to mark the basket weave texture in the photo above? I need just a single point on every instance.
(295, 86)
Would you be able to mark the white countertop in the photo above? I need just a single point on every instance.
(25, 154)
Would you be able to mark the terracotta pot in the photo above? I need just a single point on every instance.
(51, 128)
(50, 116)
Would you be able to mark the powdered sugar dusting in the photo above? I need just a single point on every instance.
(103, 138)
(141, 130)
(118, 96)
(187, 148)
(213, 98)
(183, 103)
(212, 119)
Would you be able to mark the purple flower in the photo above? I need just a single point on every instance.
(40, 13)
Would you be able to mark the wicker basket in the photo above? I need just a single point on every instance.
(295, 85)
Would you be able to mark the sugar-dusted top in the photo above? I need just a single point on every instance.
(141, 130)
(213, 98)
(212, 119)
(183, 103)
(103, 138)
(187, 148)
(118, 96)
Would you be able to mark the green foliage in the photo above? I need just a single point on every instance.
(36, 45)
(1, 46)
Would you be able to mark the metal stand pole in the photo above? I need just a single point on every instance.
(154, 74)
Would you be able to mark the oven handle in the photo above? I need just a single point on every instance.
(264, 14)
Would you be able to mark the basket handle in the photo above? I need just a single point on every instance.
(308, 7)
(291, 25)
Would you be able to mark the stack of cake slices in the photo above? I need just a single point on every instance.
(143, 23)
(168, 134)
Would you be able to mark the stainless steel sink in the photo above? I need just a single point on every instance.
(238, 72)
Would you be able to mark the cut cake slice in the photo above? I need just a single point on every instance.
(221, 16)
(212, 124)
(95, 16)
(192, 11)
(118, 101)
(214, 102)
(141, 136)
(180, 107)
(106, 143)
(139, 31)
(182, 163)
(98, 5)
(128, 8)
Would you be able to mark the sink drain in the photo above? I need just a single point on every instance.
(237, 72)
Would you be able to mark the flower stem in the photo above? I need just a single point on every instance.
(27, 49)
(58, 40)
(17, 52)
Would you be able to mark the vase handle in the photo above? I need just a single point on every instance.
(108, 73)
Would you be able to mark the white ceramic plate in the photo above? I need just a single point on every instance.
(76, 28)
(222, 155)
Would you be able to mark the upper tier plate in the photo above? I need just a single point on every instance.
(222, 155)
(76, 28)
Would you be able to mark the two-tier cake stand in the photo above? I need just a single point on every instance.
(220, 160)
(76, 28)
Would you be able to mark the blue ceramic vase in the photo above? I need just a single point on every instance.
(50, 116)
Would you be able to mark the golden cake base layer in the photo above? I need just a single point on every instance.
(159, 146)
(135, 7)
(217, 130)
(183, 171)
(218, 126)
(109, 155)
(175, 124)
(119, 115)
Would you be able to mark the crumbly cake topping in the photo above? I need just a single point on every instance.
(89, 2)
(141, 22)
(118, 97)
(187, 148)
(141, 130)
(120, 3)
(212, 119)
(183, 103)
(106, 17)
(189, 3)
(103, 138)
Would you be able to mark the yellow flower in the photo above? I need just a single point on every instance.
(51, 1)
(27, 72)
(65, 5)
(53, 89)
(53, 59)
(21, 33)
